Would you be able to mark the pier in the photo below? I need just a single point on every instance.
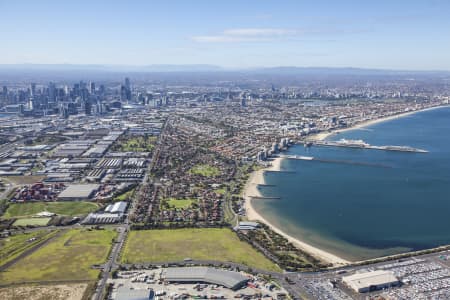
(359, 144)
(281, 171)
(265, 198)
(336, 161)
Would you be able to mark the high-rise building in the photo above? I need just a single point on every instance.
(51, 92)
(91, 87)
(33, 89)
(125, 90)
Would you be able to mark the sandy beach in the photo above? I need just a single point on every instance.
(251, 190)
(323, 135)
(257, 177)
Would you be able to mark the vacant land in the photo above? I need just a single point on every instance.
(67, 257)
(201, 244)
(205, 170)
(29, 179)
(32, 222)
(173, 203)
(23, 210)
(44, 292)
(13, 246)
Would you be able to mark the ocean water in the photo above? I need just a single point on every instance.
(398, 202)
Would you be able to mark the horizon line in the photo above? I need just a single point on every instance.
(221, 68)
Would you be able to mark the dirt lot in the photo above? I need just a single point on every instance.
(41, 292)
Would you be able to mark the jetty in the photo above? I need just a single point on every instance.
(360, 144)
(265, 198)
(336, 161)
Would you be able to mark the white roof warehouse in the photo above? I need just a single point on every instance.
(370, 281)
(78, 192)
(228, 279)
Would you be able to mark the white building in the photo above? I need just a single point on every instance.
(371, 281)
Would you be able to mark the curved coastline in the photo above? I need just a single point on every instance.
(251, 190)
(257, 177)
(323, 135)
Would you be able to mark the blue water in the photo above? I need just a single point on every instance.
(398, 204)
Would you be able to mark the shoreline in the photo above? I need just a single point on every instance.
(257, 177)
(325, 134)
(251, 190)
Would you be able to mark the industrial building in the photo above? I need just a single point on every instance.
(371, 281)
(79, 192)
(118, 207)
(124, 293)
(247, 226)
(113, 213)
(228, 279)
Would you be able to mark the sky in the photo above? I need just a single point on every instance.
(382, 34)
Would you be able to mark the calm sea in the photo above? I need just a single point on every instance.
(400, 202)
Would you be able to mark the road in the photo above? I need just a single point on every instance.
(123, 230)
(112, 263)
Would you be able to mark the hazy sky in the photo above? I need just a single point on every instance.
(395, 34)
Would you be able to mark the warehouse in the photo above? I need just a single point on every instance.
(228, 279)
(117, 208)
(247, 226)
(371, 281)
(79, 192)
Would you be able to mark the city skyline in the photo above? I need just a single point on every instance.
(405, 35)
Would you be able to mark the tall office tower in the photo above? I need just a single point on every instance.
(102, 89)
(127, 88)
(33, 89)
(123, 93)
(76, 90)
(5, 93)
(91, 87)
(51, 92)
(88, 107)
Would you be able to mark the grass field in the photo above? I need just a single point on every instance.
(173, 203)
(124, 196)
(32, 222)
(205, 170)
(13, 246)
(221, 191)
(202, 244)
(75, 208)
(136, 144)
(66, 258)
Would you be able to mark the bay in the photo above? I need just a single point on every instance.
(400, 202)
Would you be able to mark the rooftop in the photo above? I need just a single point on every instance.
(78, 191)
(229, 279)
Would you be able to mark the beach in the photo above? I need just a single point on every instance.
(257, 177)
(323, 135)
(251, 190)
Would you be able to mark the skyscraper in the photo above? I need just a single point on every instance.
(51, 92)
(91, 87)
(33, 89)
(125, 90)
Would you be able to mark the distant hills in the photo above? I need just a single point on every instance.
(167, 68)
(204, 71)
